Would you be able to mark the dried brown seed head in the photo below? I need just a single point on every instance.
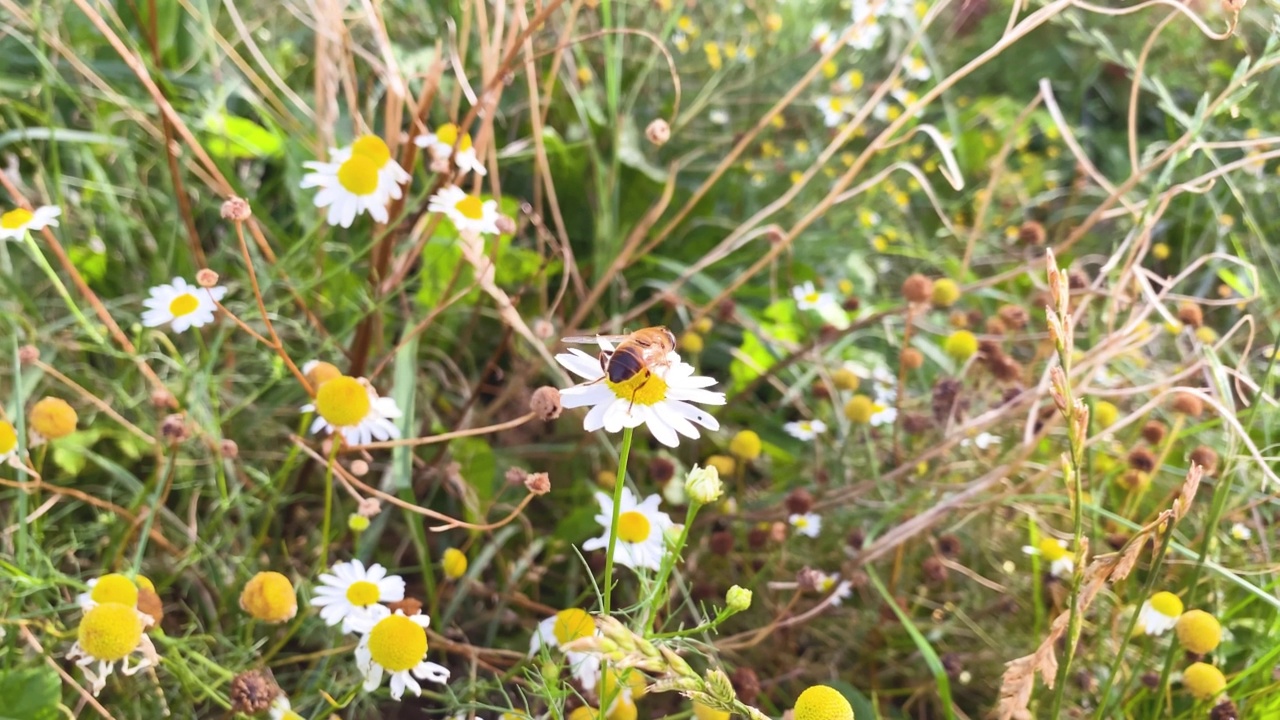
(545, 403)
(658, 132)
(236, 209)
(917, 289)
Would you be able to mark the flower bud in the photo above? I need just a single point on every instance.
(738, 599)
(658, 132)
(703, 485)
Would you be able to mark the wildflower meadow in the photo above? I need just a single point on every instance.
(621, 359)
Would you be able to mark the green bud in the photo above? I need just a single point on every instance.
(738, 599)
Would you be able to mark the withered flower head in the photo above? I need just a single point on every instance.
(1142, 460)
(911, 358)
(1031, 233)
(917, 289)
(1154, 431)
(949, 545)
(545, 403)
(1205, 457)
(933, 570)
(252, 692)
(1190, 313)
(661, 469)
(1188, 404)
(799, 501)
(1015, 317)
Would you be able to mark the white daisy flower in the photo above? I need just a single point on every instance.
(1241, 532)
(351, 406)
(835, 109)
(659, 398)
(982, 441)
(808, 524)
(822, 37)
(15, 223)
(181, 305)
(1160, 613)
(718, 117)
(1061, 562)
(467, 212)
(563, 628)
(395, 644)
(918, 69)
(439, 145)
(282, 709)
(805, 429)
(362, 177)
(642, 530)
(839, 590)
(865, 34)
(807, 297)
(349, 591)
(109, 633)
(883, 415)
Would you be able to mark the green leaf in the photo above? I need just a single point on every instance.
(752, 360)
(237, 138)
(31, 694)
(922, 644)
(478, 465)
(1234, 282)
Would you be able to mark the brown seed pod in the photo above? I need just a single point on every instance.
(1190, 313)
(799, 501)
(545, 403)
(1142, 460)
(746, 683)
(933, 570)
(911, 358)
(1154, 431)
(917, 289)
(722, 542)
(1031, 233)
(1188, 404)
(949, 545)
(661, 469)
(253, 691)
(1205, 457)
(1015, 317)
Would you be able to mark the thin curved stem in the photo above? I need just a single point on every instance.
(618, 484)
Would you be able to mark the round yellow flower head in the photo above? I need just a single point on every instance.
(1160, 251)
(623, 709)
(397, 643)
(1198, 631)
(572, 624)
(357, 523)
(704, 712)
(822, 703)
(1051, 549)
(691, 342)
(1104, 414)
(8, 439)
(859, 409)
(343, 401)
(745, 445)
(703, 326)
(945, 292)
(1166, 603)
(53, 418)
(584, 713)
(110, 631)
(115, 588)
(846, 379)
(1203, 681)
(1206, 335)
(269, 597)
(632, 680)
(454, 563)
(322, 372)
(960, 345)
(723, 464)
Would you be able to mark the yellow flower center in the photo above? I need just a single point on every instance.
(110, 631)
(358, 175)
(822, 703)
(397, 643)
(53, 418)
(115, 588)
(470, 207)
(343, 401)
(1167, 604)
(269, 596)
(15, 218)
(572, 624)
(811, 297)
(643, 388)
(633, 527)
(1051, 550)
(184, 304)
(455, 563)
(8, 438)
(363, 593)
(372, 147)
(801, 522)
(447, 134)
(836, 104)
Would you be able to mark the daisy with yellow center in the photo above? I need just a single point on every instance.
(807, 524)
(830, 584)
(563, 628)
(181, 305)
(466, 212)
(362, 177)
(440, 146)
(112, 588)
(352, 407)
(1061, 562)
(835, 109)
(659, 396)
(821, 702)
(805, 429)
(395, 645)
(282, 709)
(641, 530)
(109, 633)
(349, 591)
(15, 224)
(1160, 613)
(807, 297)
(8, 441)
(918, 69)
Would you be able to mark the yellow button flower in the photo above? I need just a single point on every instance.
(269, 597)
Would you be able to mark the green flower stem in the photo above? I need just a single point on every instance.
(618, 484)
(336, 440)
(669, 563)
(62, 290)
(156, 495)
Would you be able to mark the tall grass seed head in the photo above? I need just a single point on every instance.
(454, 563)
(1198, 631)
(960, 345)
(52, 418)
(859, 409)
(945, 293)
(269, 597)
(821, 702)
(1203, 681)
(703, 484)
(746, 445)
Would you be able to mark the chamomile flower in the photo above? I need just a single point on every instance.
(822, 37)
(15, 224)
(349, 591)
(821, 702)
(807, 524)
(835, 109)
(439, 145)
(865, 33)
(395, 644)
(659, 398)
(1061, 562)
(362, 177)
(8, 440)
(563, 628)
(1160, 613)
(918, 69)
(181, 305)
(1239, 531)
(111, 588)
(642, 530)
(883, 415)
(805, 429)
(282, 709)
(352, 407)
(109, 633)
(830, 583)
(467, 212)
(982, 441)
(807, 297)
